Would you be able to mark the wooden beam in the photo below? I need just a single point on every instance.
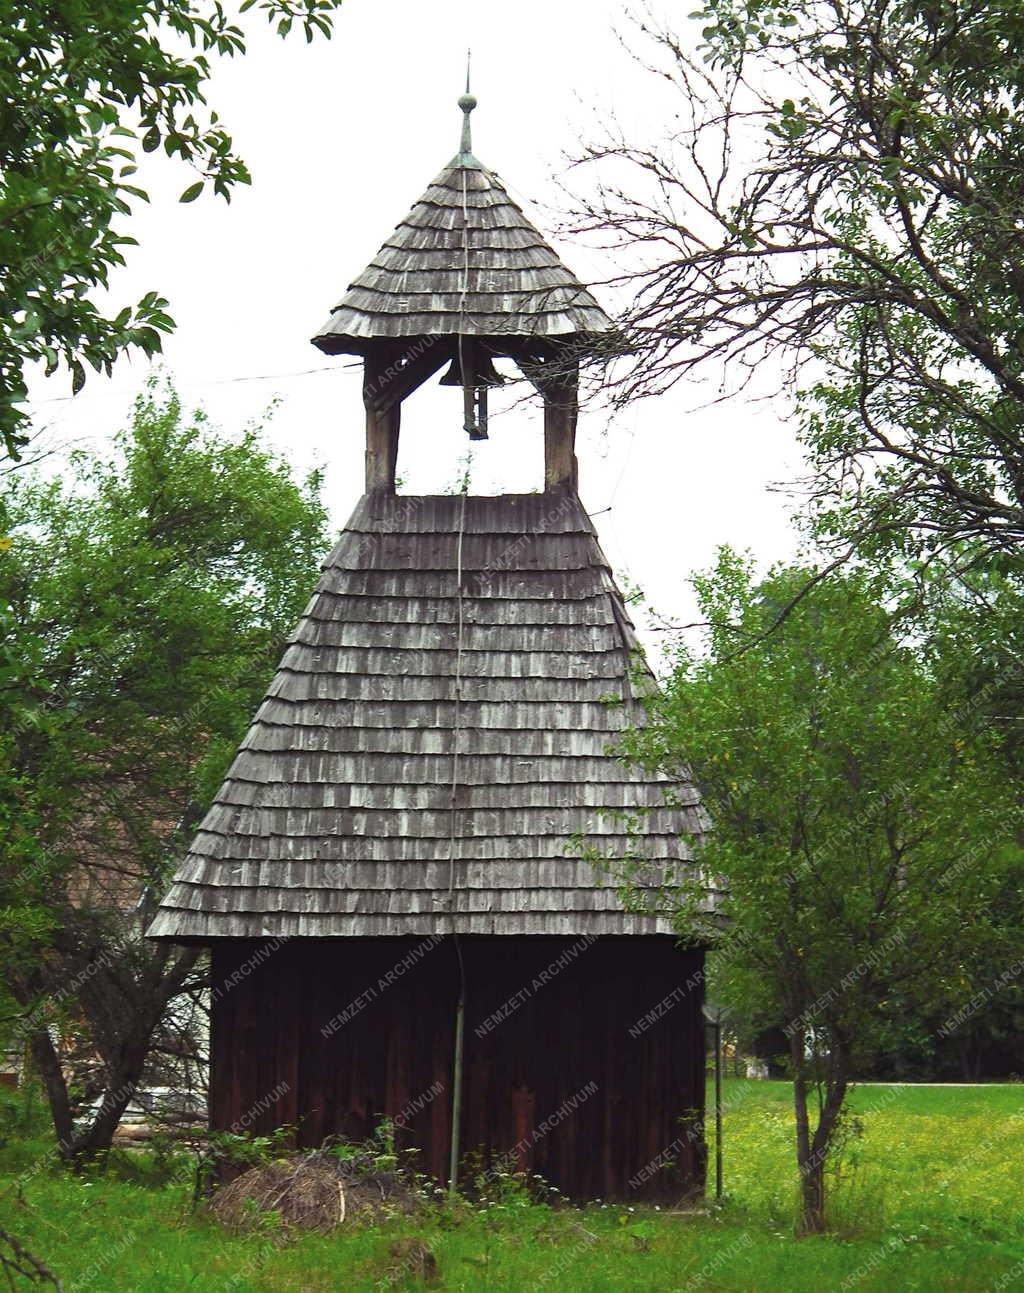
(555, 374)
(382, 449)
(560, 410)
(382, 429)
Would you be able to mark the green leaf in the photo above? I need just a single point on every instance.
(86, 92)
(192, 192)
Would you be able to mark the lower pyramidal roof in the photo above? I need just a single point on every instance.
(437, 731)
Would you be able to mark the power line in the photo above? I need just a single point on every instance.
(213, 381)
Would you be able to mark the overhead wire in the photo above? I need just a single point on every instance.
(212, 381)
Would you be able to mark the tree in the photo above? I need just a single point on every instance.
(842, 187)
(84, 86)
(149, 595)
(859, 834)
(975, 643)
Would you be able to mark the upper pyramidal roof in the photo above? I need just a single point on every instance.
(465, 260)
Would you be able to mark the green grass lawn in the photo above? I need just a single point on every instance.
(930, 1198)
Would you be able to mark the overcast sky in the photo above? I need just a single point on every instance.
(342, 137)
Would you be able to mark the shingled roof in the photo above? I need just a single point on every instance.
(336, 816)
(465, 260)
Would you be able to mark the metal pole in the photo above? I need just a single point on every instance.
(718, 1109)
(453, 1162)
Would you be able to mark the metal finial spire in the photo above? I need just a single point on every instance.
(467, 102)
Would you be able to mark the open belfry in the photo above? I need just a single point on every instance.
(400, 923)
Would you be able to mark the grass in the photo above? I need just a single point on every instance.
(929, 1199)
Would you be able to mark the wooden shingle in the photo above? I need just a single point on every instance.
(467, 261)
(337, 815)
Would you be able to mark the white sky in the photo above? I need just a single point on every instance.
(341, 137)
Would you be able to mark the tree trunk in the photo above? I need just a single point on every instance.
(970, 1059)
(123, 1004)
(812, 1197)
(47, 1063)
(76, 1147)
(812, 1150)
(812, 1181)
(96, 1139)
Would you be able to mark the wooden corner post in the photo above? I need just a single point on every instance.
(383, 419)
(561, 406)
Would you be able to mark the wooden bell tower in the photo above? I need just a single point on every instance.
(399, 923)
(464, 280)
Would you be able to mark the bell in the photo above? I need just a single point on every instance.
(484, 372)
(476, 414)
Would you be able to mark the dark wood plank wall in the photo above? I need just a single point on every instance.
(563, 1055)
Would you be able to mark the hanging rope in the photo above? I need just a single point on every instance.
(467, 103)
(457, 712)
(457, 718)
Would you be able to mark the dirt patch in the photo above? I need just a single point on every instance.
(410, 1259)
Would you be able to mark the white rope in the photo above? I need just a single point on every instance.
(457, 716)
(460, 1009)
(459, 607)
